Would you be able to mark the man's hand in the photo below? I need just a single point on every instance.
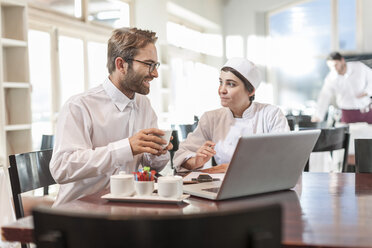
(361, 95)
(167, 148)
(315, 119)
(147, 140)
(221, 168)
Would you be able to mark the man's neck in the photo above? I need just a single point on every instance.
(343, 72)
(129, 93)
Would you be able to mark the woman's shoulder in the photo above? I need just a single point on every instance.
(266, 107)
(216, 113)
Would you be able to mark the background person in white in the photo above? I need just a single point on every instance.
(351, 84)
(112, 127)
(219, 130)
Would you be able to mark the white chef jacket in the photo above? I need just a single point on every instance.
(346, 88)
(222, 128)
(92, 140)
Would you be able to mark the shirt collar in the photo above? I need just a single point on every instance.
(248, 113)
(120, 100)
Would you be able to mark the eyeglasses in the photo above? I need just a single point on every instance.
(152, 66)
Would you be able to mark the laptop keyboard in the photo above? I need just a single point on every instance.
(213, 190)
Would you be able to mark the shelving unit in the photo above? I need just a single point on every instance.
(15, 89)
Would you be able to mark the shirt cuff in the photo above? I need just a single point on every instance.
(179, 168)
(121, 152)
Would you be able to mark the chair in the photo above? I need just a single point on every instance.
(248, 227)
(29, 171)
(47, 142)
(303, 118)
(291, 124)
(186, 129)
(311, 125)
(331, 139)
(363, 155)
(175, 142)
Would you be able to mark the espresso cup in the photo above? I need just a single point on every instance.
(170, 186)
(167, 135)
(122, 184)
(144, 187)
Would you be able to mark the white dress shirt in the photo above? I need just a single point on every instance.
(92, 140)
(346, 88)
(222, 128)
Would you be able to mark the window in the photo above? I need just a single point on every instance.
(182, 36)
(347, 24)
(68, 7)
(300, 39)
(97, 59)
(40, 77)
(112, 13)
(71, 60)
(197, 80)
(234, 46)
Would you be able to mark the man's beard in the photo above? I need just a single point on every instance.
(134, 82)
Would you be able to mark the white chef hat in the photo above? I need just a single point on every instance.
(247, 69)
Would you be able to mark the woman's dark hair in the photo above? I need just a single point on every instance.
(245, 81)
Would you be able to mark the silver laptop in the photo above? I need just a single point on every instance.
(261, 163)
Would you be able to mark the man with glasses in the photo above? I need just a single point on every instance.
(112, 127)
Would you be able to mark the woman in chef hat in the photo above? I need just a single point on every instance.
(219, 130)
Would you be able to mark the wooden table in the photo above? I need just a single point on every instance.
(324, 210)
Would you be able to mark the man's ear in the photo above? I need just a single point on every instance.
(121, 65)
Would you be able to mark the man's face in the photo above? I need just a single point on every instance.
(138, 77)
(337, 65)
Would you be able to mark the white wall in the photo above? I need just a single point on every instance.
(209, 9)
(366, 26)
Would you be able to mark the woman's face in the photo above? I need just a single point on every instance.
(232, 92)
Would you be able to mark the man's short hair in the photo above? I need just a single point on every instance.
(125, 43)
(335, 56)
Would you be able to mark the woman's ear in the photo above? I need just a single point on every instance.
(252, 92)
(121, 65)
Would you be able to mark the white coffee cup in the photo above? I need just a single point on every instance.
(170, 186)
(167, 135)
(122, 184)
(144, 187)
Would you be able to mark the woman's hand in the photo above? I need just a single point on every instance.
(203, 154)
(221, 168)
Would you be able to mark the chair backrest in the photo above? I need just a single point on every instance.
(363, 155)
(29, 171)
(331, 139)
(311, 125)
(175, 142)
(291, 124)
(186, 129)
(47, 142)
(249, 227)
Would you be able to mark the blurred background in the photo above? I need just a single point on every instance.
(289, 41)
